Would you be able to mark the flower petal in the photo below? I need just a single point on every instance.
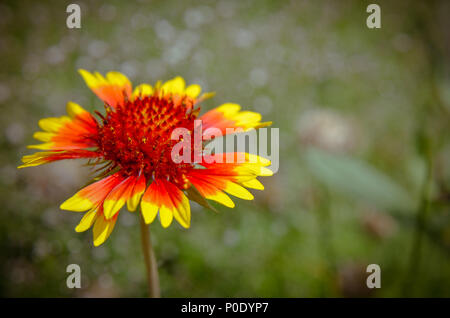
(165, 197)
(116, 199)
(174, 86)
(165, 216)
(217, 176)
(253, 184)
(210, 191)
(76, 131)
(92, 195)
(138, 191)
(87, 221)
(142, 90)
(102, 229)
(113, 90)
(238, 191)
(229, 116)
(150, 203)
(193, 90)
(40, 158)
(181, 209)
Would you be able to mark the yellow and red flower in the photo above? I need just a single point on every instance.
(132, 142)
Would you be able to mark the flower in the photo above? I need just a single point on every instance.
(132, 144)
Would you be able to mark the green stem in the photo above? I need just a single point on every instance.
(150, 262)
(421, 224)
(325, 241)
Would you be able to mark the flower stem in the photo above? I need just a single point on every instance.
(150, 262)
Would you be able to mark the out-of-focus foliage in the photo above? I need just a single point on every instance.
(364, 146)
(358, 180)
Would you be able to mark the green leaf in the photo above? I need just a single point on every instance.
(358, 180)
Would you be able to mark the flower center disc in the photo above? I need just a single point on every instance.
(137, 135)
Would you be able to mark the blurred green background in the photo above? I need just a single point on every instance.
(364, 172)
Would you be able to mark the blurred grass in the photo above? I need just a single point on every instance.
(371, 100)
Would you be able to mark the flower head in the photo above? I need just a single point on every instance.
(132, 145)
